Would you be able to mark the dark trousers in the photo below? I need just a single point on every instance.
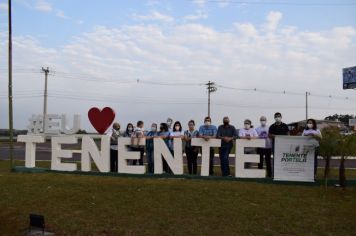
(150, 160)
(192, 155)
(113, 160)
(316, 161)
(265, 153)
(224, 152)
(142, 151)
(211, 161)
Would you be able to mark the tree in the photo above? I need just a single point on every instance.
(342, 118)
(329, 148)
(335, 144)
(347, 148)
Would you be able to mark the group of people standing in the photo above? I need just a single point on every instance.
(142, 141)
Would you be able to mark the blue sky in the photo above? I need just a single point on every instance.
(56, 22)
(98, 50)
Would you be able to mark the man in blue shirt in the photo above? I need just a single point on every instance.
(209, 131)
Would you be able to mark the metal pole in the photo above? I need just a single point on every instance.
(46, 71)
(11, 128)
(209, 91)
(211, 88)
(306, 106)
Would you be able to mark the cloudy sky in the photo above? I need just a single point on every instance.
(150, 59)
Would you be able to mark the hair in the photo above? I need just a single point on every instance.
(191, 121)
(127, 127)
(139, 123)
(314, 124)
(277, 114)
(248, 121)
(207, 118)
(164, 126)
(116, 124)
(180, 126)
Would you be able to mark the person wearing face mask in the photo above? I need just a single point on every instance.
(175, 133)
(312, 131)
(136, 141)
(209, 131)
(265, 153)
(165, 135)
(227, 134)
(114, 134)
(169, 123)
(277, 128)
(150, 135)
(248, 132)
(129, 130)
(128, 133)
(191, 151)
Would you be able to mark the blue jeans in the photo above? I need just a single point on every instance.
(150, 160)
(224, 159)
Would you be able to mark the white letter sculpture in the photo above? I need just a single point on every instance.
(206, 145)
(125, 155)
(58, 153)
(30, 155)
(241, 158)
(174, 162)
(100, 158)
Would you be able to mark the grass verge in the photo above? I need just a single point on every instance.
(106, 205)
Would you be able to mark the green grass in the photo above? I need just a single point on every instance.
(105, 205)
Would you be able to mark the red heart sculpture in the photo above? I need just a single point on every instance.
(101, 119)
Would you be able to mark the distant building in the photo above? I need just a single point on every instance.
(5, 132)
(296, 128)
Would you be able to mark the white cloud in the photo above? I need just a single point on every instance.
(61, 14)
(273, 19)
(200, 3)
(154, 16)
(42, 5)
(246, 57)
(224, 3)
(197, 16)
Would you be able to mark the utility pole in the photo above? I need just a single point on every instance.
(11, 128)
(306, 106)
(46, 71)
(211, 89)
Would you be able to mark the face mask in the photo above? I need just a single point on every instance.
(247, 126)
(310, 126)
(130, 129)
(177, 127)
(153, 129)
(207, 123)
(263, 123)
(278, 119)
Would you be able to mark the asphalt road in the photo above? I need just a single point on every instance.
(43, 152)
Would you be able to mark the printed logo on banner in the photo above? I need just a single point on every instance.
(294, 158)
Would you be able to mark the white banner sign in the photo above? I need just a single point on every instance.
(294, 158)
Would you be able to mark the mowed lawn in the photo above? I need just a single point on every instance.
(111, 205)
